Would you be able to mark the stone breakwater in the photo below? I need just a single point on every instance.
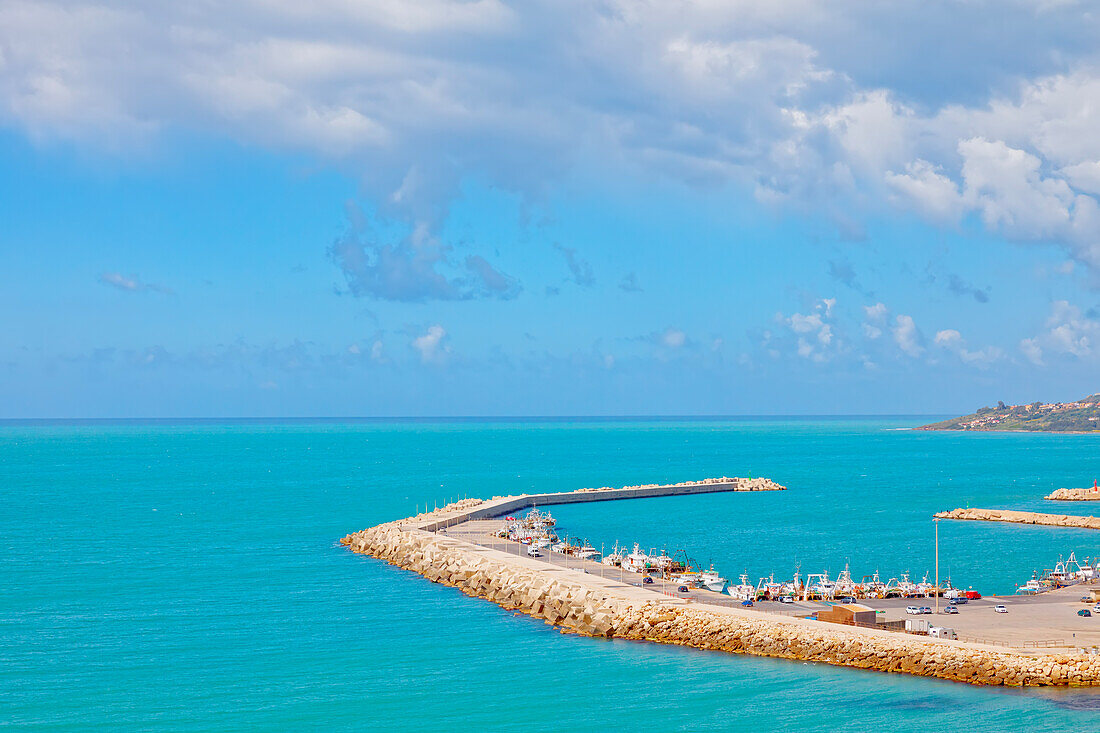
(1008, 515)
(1089, 494)
(580, 604)
(733, 484)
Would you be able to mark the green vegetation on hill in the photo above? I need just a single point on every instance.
(1061, 417)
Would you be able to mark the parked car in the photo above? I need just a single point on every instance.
(913, 610)
(1084, 612)
(1096, 608)
(1086, 599)
(950, 609)
(846, 599)
(747, 602)
(533, 551)
(647, 580)
(1000, 609)
(786, 599)
(925, 609)
(961, 600)
(682, 589)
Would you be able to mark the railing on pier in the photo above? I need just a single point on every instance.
(1034, 644)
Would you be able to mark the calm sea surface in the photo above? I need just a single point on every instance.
(187, 576)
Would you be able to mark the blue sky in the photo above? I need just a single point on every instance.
(485, 208)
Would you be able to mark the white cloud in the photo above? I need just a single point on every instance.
(1070, 332)
(874, 320)
(1032, 351)
(673, 338)
(907, 336)
(934, 194)
(952, 341)
(815, 338)
(431, 346)
(414, 97)
(1067, 333)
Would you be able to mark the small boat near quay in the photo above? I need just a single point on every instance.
(533, 529)
(1064, 573)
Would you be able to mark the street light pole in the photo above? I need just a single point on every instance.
(937, 520)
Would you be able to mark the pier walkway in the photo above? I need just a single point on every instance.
(501, 505)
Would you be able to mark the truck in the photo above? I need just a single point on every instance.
(942, 632)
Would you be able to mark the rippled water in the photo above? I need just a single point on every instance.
(187, 576)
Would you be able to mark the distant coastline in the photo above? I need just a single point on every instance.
(1075, 418)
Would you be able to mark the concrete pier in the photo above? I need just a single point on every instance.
(586, 603)
(501, 505)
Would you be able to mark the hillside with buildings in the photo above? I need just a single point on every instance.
(1054, 417)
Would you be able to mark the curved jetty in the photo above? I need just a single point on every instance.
(1009, 515)
(592, 605)
(1090, 494)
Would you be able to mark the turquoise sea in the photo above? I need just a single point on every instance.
(187, 576)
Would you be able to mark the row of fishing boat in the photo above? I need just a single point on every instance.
(1064, 573)
(537, 529)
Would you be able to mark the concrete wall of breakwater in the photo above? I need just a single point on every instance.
(594, 606)
(501, 505)
(1008, 515)
(1089, 494)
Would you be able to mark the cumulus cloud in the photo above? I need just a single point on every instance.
(952, 341)
(813, 332)
(673, 338)
(907, 336)
(1032, 351)
(415, 97)
(1067, 332)
(431, 346)
(874, 320)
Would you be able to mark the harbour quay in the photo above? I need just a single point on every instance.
(455, 546)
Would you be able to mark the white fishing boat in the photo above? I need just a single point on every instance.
(712, 581)
(1032, 586)
(660, 563)
(769, 588)
(614, 558)
(742, 592)
(844, 585)
(906, 587)
(872, 586)
(588, 552)
(636, 561)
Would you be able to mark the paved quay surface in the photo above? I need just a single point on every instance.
(1044, 622)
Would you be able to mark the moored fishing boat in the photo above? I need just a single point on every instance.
(712, 581)
(636, 562)
(614, 558)
(743, 591)
(588, 552)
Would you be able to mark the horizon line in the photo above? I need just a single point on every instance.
(382, 418)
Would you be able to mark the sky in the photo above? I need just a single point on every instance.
(618, 207)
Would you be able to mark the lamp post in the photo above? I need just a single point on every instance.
(937, 520)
